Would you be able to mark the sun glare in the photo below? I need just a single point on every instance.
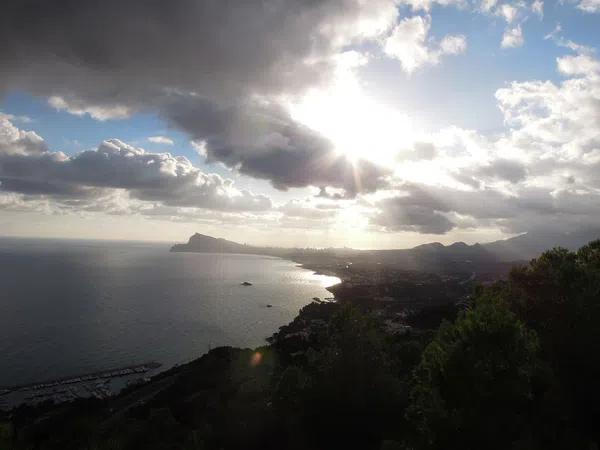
(357, 125)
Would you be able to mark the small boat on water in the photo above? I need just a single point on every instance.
(269, 306)
(246, 283)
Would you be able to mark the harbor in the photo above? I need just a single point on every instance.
(101, 385)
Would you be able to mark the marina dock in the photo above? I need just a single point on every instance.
(101, 384)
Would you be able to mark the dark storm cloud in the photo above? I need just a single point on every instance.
(437, 210)
(201, 65)
(395, 215)
(261, 140)
(226, 46)
(483, 205)
(416, 210)
(46, 188)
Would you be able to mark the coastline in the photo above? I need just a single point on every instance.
(100, 384)
(106, 383)
(369, 288)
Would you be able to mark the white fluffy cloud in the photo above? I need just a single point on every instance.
(512, 37)
(426, 5)
(537, 6)
(14, 141)
(453, 44)
(508, 12)
(515, 13)
(164, 140)
(28, 167)
(541, 173)
(591, 6)
(582, 64)
(97, 111)
(409, 43)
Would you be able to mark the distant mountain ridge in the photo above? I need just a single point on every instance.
(522, 247)
(530, 245)
(201, 243)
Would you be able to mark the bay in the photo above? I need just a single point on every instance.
(70, 307)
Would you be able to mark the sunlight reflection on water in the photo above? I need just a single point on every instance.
(324, 280)
(98, 305)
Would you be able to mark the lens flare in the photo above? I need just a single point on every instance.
(256, 359)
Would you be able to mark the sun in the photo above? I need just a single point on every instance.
(357, 125)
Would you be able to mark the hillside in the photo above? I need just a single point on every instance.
(530, 245)
(434, 256)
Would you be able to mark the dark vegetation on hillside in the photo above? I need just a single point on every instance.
(517, 368)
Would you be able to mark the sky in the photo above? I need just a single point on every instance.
(331, 123)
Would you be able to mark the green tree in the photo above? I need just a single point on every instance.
(558, 295)
(474, 386)
(346, 395)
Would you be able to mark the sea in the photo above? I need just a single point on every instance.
(72, 307)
